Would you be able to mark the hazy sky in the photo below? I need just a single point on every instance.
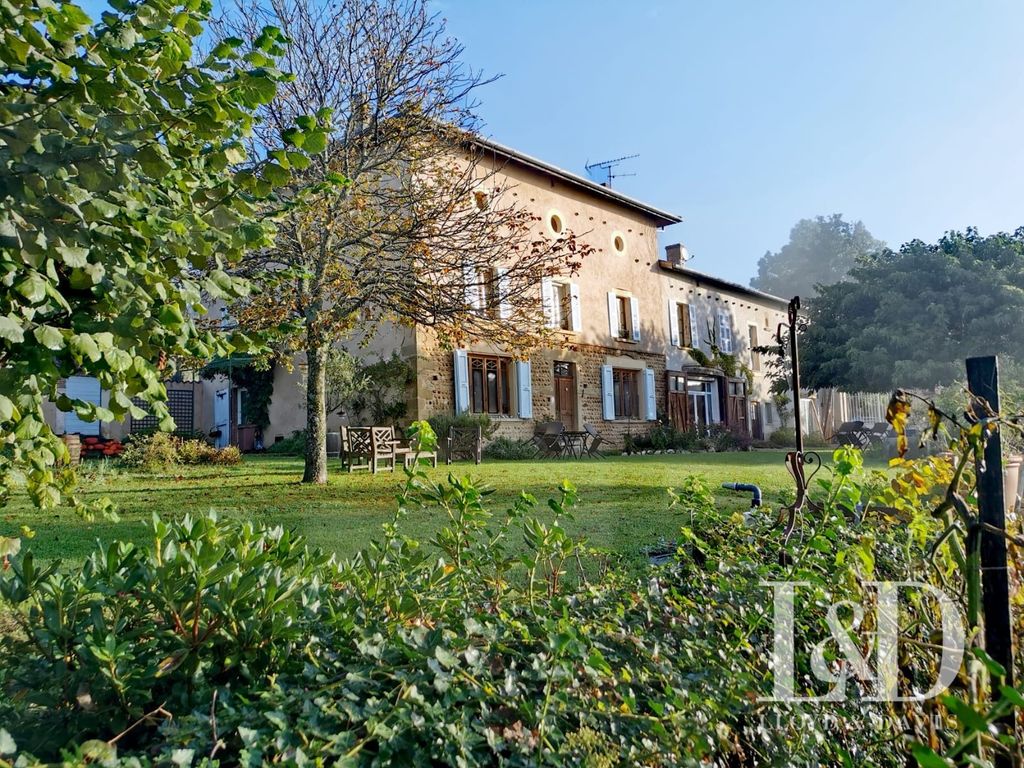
(751, 115)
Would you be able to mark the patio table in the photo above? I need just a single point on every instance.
(574, 443)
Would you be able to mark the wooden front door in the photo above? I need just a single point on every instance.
(677, 410)
(736, 407)
(756, 425)
(565, 394)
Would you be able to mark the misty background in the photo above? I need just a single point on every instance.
(749, 117)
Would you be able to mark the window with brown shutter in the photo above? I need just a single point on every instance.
(685, 332)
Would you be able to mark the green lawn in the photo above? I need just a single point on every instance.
(623, 500)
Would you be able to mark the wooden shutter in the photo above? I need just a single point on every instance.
(607, 393)
(524, 386)
(650, 397)
(695, 336)
(547, 296)
(472, 283)
(634, 310)
(613, 314)
(574, 302)
(504, 309)
(673, 323)
(461, 381)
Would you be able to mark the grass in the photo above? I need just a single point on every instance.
(623, 500)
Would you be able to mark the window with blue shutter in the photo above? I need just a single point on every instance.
(524, 388)
(607, 393)
(461, 381)
(650, 396)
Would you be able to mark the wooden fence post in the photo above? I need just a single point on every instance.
(983, 382)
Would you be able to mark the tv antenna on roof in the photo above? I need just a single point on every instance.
(606, 166)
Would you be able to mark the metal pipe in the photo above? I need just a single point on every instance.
(755, 498)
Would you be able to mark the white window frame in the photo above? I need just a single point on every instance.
(725, 339)
(614, 320)
(550, 289)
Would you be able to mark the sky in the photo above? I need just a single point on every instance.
(748, 116)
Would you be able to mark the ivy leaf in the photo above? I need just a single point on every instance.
(896, 414)
(72, 255)
(49, 337)
(32, 287)
(11, 329)
(7, 409)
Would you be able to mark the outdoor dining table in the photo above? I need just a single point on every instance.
(574, 443)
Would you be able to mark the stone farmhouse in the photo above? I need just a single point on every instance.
(634, 330)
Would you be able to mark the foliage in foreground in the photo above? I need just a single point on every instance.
(123, 206)
(502, 641)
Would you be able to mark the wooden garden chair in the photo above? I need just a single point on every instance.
(360, 449)
(384, 448)
(464, 442)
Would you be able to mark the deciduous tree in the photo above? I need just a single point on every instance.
(820, 250)
(408, 221)
(908, 318)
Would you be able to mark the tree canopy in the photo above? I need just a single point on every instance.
(120, 209)
(820, 250)
(908, 318)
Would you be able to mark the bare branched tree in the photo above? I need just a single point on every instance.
(403, 216)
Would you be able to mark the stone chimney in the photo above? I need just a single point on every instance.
(676, 254)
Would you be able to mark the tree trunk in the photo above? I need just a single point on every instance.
(316, 415)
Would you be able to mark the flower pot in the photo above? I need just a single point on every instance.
(1011, 482)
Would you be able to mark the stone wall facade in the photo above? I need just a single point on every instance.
(435, 387)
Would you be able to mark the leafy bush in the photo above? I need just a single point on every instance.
(693, 495)
(442, 422)
(212, 602)
(721, 438)
(229, 455)
(461, 652)
(509, 449)
(784, 437)
(157, 450)
(160, 451)
(664, 436)
(293, 445)
(493, 644)
(195, 452)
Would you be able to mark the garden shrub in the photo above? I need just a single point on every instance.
(492, 644)
(442, 422)
(160, 451)
(293, 445)
(784, 437)
(664, 436)
(194, 452)
(229, 455)
(510, 449)
(152, 451)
